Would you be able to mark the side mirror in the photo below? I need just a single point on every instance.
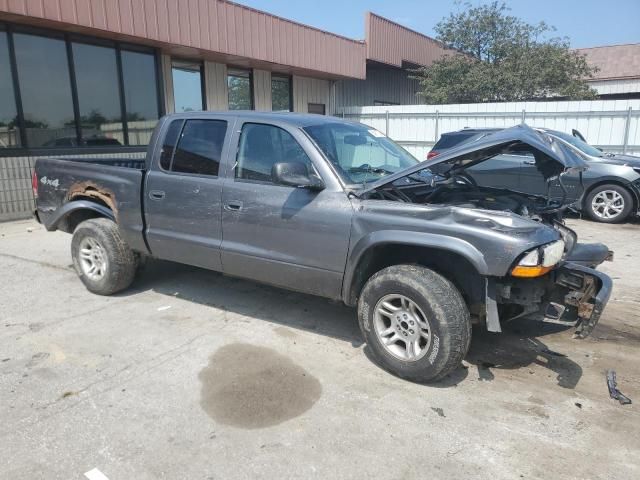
(295, 174)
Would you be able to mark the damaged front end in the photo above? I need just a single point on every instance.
(571, 294)
(556, 279)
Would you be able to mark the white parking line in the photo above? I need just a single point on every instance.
(95, 474)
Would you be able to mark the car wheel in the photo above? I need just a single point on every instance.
(415, 322)
(102, 259)
(609, 203)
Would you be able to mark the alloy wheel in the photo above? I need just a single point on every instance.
(93, 258)
(402, 327)
(607, 204)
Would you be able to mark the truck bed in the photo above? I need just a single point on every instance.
(115, 184)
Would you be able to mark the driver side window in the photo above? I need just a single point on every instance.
(261, 146)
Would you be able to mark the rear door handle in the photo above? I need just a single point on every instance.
(233, 206)
(529, 162)
(156, 194)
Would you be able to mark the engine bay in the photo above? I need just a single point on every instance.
(464, 193)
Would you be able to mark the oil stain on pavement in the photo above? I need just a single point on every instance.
(255, 387)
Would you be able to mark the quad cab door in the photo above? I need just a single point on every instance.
(183, 208)
(282, 235)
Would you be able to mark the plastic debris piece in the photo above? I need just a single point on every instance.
(614, 393)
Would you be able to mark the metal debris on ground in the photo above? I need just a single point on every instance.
(613, 389)
(551, 352)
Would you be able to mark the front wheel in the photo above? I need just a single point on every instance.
(609, 203)
(102, 259)
(415, 322)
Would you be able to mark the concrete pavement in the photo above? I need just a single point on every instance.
(194, 375)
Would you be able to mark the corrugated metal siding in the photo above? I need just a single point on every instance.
(612, 87)
(310, 90)
(208, 25)
(417, 127)
(262, 90)
(391, 43)
(16, 197)
(215, 75)
(383, 84)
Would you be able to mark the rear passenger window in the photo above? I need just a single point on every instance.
(450, 140)
(169, 144)
(261, 146)
(200, 147)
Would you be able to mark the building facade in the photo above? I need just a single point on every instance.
(92, 77)
(618, 75)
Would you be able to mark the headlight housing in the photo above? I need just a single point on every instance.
(539, 261)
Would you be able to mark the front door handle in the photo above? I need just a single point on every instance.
(156, 194)
(529, 162)
(233, 206)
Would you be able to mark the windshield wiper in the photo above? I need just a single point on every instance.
(367, 169)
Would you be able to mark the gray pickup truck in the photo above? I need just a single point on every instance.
(336, 209)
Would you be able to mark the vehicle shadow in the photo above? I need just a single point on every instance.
(517, 347)
(251, 299)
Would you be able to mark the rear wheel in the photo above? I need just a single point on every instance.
(415, 322)
(102, 259)
(609, 203)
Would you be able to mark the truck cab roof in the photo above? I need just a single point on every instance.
(290, 118)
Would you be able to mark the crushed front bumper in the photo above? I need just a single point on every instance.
(586, 293)
(572, 294)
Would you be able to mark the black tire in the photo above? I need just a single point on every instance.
(627, 198)
(121, 261)
(442, 304)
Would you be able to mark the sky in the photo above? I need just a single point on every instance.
(587, 23)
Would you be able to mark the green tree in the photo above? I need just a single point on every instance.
(497, 57)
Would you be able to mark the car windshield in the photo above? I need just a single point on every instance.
(576, 142)
(359, 153)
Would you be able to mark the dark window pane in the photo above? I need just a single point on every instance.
(98, 95)
(141, 95)
(239, 84)
(43, 73)
(263, 145)
(281, 94)
(170, 140)
(317, 108)
(187, 86)
(450, 140)
(200, 147)
(9, 133)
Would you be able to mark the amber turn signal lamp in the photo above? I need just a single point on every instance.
(530, 272)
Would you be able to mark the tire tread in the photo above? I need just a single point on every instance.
(123, 261)
(447, 302)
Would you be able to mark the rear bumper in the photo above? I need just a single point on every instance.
(586, 296)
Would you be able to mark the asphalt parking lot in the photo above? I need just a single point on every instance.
(194, 375)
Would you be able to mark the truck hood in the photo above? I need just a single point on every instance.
(551, 155)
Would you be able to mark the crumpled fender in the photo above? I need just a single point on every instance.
(404, 237)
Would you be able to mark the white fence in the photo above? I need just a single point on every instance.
(613, 125)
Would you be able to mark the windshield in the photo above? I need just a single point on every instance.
(576, 142)
(359, 153)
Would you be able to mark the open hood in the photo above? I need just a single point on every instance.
(551, 155)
